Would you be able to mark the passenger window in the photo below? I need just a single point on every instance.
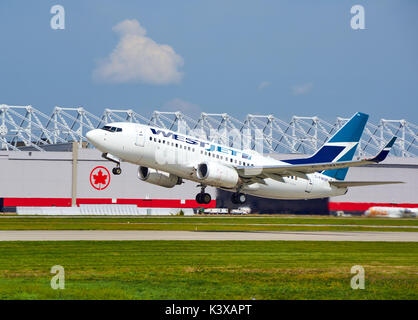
(177, 145)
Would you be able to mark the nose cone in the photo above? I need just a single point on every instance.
(94, 137)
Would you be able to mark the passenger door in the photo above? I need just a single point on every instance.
(309, 185)
(140, 138)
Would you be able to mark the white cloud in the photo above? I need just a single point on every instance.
(263, 85)
(185, 107)
(138, 58)
(302, 89)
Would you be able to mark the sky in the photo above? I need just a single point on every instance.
(296, 57)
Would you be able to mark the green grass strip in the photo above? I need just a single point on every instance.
(208, 270)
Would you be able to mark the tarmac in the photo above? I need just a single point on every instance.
(117, 235)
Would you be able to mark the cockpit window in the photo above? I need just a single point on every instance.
(112, 129)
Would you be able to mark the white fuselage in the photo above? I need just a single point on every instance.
(180, 154)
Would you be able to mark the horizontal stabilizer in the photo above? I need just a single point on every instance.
(344, 184)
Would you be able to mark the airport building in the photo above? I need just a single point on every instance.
(46, 161)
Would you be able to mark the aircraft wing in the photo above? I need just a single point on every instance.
(343, 184)
(303, 169)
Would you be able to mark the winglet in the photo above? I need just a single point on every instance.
(385, 151)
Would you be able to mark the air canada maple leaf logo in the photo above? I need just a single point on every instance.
(99, 178)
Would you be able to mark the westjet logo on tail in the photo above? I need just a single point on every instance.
(206, 145)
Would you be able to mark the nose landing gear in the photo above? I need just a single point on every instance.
(116, 171)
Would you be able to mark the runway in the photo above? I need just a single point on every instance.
(112, 235)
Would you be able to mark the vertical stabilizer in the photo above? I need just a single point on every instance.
(340, 147)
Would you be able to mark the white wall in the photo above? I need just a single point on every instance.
(48, 175)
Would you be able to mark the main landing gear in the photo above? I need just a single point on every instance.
(238, 198)
(203, 197)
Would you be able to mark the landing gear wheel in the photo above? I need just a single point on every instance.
(116, 171)
(203, 198)
(241, 198)
(206, 198)
(238, 198)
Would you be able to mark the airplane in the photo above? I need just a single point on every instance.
(391, 212)
(166, 158)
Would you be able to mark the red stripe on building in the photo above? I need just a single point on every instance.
(66, 202)
(166, 203)
(363, 206)
(37, 202)
(93, 201)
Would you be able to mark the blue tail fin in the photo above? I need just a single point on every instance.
(340, 147)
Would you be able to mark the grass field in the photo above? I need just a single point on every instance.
(209, 223)
(208, 270)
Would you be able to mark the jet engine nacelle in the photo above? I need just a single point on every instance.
(217, 174)
(158, 178)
